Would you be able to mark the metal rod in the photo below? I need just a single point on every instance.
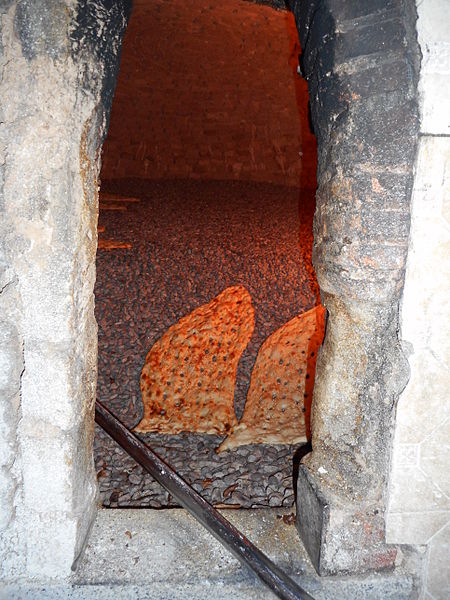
(233, 540)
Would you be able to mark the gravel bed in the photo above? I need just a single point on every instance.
(191, 240)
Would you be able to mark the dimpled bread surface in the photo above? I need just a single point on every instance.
(188, 379)
(278, 403)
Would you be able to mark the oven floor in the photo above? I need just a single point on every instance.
(191, 240)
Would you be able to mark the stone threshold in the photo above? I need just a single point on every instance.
(140, 554)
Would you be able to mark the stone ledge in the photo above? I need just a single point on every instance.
(148, 554)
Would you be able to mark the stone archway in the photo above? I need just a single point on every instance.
(58, 78)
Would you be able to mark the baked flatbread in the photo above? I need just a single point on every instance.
(189, 375)
(278, 403)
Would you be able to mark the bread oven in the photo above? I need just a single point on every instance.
(361, 64)
(204, 261)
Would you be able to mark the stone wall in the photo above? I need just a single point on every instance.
(58, 64)
(419, 507)
(361, 62)
(210, 90)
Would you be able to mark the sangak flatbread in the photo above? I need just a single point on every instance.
(279, 398)
(188, 379)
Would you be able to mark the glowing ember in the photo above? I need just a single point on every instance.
(113, 245)
(112, 206)
(279, 398)
(188, 379)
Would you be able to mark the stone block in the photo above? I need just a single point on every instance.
(346, 259)
(11, 367)
(48, 449)
(311, 514)
(381, 36)
(406, 455)
(8, 488)
(433, 168)
(438, 575)
(428, 331)
(435, 102)
(52, 543)
(434, 39)
(380, 189)
(382, 78)
(46, 296)
(7, 429)
(348, 9)
(435, 458)
(11, 363)
(386, 225)
(381, 132)
(423, 493)
(446, 199)
(46, 387)
(426, 303)
(432, 27)
(340, 538)
(425, 401)
(415, 528)
(388, 259)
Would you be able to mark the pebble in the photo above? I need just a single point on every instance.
(275, 499)
(134, 478)
(199, 238)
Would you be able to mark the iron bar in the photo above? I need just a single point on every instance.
(233, 540)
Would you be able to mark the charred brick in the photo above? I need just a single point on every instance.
(384, 78)
(349, 9)
(382, 36)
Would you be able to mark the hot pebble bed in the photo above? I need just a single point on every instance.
(189, 241)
